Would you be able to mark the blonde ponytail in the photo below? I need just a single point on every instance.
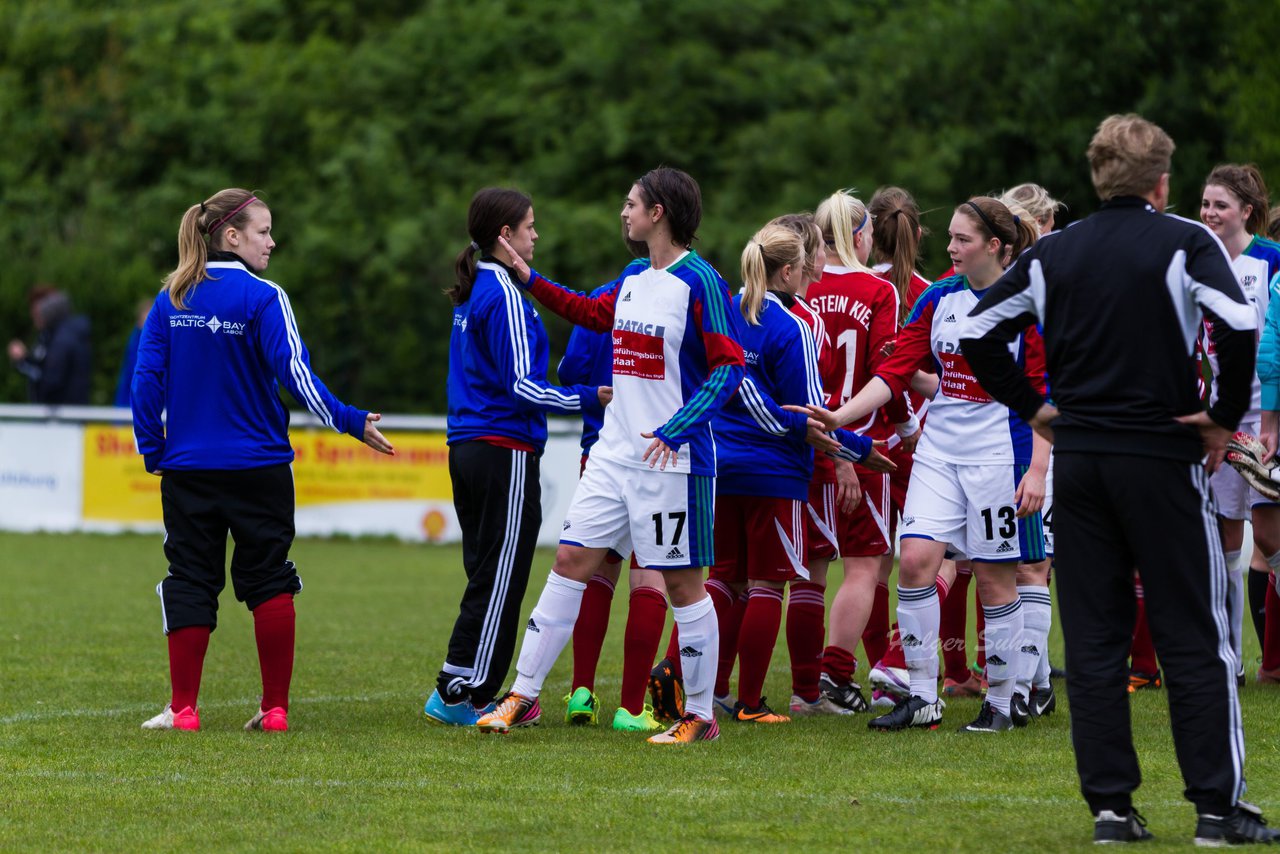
(772, 248)
(202, 225)
(840, 216)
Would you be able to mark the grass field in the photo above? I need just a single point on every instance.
(84, 662)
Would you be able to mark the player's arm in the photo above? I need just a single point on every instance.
(147, 391)
(594, 311)
(794, 367)
(1209, 280)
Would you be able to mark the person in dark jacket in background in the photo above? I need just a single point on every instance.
(59, 367)
(1121, 296)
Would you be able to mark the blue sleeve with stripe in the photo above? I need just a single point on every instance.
(511, 343)
(277, 335)
(147, 388)
(792, 363)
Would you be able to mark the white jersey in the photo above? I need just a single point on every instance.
(1254, 277)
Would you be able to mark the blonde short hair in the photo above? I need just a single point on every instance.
(1127, 156)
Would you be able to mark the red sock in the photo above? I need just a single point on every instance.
(1142, 652)
(759, 635)
(273, 628)
(806, 609)
(187, 647)
(728, 620)
(893, 655)
(954, 619)
(875, 637)
(980, 623)
(1271, 648)
(589, 631)
(673, 651)
(646, 615)
(839, 664)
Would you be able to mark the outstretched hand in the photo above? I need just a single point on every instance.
(374, 438)
(877, 461)
(504, 253)
(819, 417)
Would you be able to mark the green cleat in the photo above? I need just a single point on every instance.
(624, 721)
(581, 707)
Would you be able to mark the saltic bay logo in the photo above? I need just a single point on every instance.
(199, 321)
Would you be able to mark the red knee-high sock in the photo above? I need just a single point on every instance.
(589, 631)
(187, 647)
(273, 628)
(646, 616)
(806, 609)
(980, 623)
(839, 664)
(875, 637)
(1142, 652)
(759, 635)
(1271, 647)
(728, 620)
(954, 625)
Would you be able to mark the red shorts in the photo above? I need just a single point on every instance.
(865, 531)
(758, 538)
(820, 521)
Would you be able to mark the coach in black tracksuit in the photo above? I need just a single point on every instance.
(1121, 297)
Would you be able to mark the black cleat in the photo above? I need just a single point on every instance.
(910, 711)
(847, 696)
(988, 720)
(1019, 711)
(1043, 702)
(1244, 825)
(1112, 829)
(666, 692)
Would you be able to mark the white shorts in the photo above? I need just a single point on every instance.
(971, 508)
(665, 518)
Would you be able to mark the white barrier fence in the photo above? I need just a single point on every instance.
(76, 469)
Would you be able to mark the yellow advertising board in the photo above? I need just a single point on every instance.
(117, 489)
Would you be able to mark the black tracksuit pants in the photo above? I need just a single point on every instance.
(498, 498)
(1113, 513)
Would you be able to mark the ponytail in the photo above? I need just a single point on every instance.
(1016, 232)
(1246, 184)
(771, 249)
(201, 225)
(492, 209)
(841, 216)
(896, 240)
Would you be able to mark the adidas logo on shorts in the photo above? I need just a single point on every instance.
(908, 521)
(1005, 548)
(996, 660)
(951, 318)
(565, 526)
(533, 627)
(690, 652)
(627, 297)
(675, 554)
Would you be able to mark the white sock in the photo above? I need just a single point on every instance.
(1037, 617)
(549, 629)
(1004, 639)
(699, 637)
(1235, 601)
(919, 616)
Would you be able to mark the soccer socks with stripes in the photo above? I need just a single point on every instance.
(806, 609)
(548, 630)
(1235, 602)
(273, 628)
(699, 654)
(646, 616)
(894, 656)
(1258, 584)
(729, 620)
(954, 624)
(1037, 619)
(1142, 652)
(187, 647)
(590, 629)
(759, 635)
(1004, 640)
(918, 619)
(875, 637)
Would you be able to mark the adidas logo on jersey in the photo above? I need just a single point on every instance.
(951, 318)
(911, 640)
(533, 627)
(1005, 548)
(1030, 649)
(675, 554)
(690, 652)
(626, 297)
(996, 660)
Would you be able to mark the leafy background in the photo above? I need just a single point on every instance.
(369, 125)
